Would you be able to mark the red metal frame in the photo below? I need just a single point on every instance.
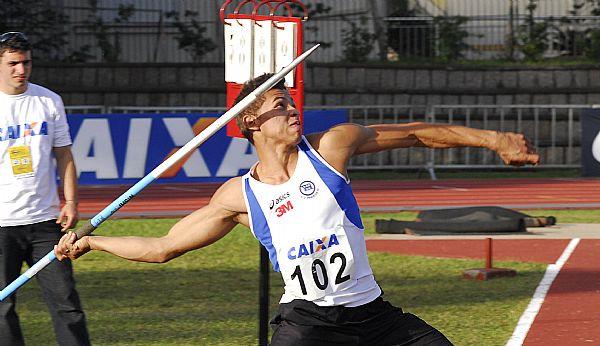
(297, 92)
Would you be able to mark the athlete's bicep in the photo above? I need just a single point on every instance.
(199, 229)
(210, 223)
(338, 144)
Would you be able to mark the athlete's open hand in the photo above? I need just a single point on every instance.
(515, 149)
(70, 247)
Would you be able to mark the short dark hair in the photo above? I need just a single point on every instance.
(14, 41)
(248, 88)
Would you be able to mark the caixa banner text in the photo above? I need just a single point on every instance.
(123, 148)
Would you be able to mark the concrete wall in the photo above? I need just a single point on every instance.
(325, 84)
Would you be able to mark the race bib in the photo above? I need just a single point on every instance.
(20, 160)
(317, 267)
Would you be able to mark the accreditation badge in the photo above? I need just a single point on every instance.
(21, 161)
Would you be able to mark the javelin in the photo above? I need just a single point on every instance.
(93, 223)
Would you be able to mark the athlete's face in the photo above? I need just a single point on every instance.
(278, 116)
(15, 69)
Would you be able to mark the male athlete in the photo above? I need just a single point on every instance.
(298, 203)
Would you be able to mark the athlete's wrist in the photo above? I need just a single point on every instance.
(89, 241)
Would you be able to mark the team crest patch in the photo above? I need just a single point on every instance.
(308, 189)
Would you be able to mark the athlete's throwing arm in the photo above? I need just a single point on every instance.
(227, 208)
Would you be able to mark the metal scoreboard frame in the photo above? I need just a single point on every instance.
(259, 42)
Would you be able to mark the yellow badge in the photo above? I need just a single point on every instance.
(20, 159)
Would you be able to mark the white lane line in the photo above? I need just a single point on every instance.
(535, 304)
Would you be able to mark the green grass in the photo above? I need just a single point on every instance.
(569, 215)
(467, 312)
(210, 296)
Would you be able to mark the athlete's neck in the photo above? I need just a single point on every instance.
(276, 165)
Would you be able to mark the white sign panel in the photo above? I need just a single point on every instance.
(285, 48)
(263, 48)
(238, 50)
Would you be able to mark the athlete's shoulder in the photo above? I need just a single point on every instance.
(231, 186)
(230, 195)
(337, 144)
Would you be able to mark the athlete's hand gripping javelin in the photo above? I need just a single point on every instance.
(70, 247)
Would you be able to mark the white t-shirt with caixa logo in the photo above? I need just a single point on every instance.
(31, 125)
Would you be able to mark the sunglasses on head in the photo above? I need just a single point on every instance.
(12, 34)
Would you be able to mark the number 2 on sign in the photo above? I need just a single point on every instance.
(317, 263)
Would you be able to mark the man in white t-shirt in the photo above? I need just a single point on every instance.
(34, 131)
(298, 203)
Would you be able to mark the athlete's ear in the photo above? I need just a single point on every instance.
(251, 122)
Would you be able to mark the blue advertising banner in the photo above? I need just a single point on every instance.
(122, 149)
(590, 142)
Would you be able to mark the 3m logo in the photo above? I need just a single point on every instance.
(284, 208)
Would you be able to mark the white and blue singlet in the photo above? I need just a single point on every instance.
(312, 229)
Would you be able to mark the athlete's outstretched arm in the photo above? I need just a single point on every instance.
(201, 228)
(345, 140)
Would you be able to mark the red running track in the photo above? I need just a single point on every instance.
(570, 314)
(526, 250)
(163, 200)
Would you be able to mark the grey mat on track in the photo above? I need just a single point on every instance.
(470, 220)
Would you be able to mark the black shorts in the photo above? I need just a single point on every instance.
(376, 323)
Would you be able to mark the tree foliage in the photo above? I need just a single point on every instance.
(401, 8)
(42, 23)
(589, 38)
(357, 41)
(451, 37)
(191, 34)
(314, 10)
(108, 41)
(532, 37)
